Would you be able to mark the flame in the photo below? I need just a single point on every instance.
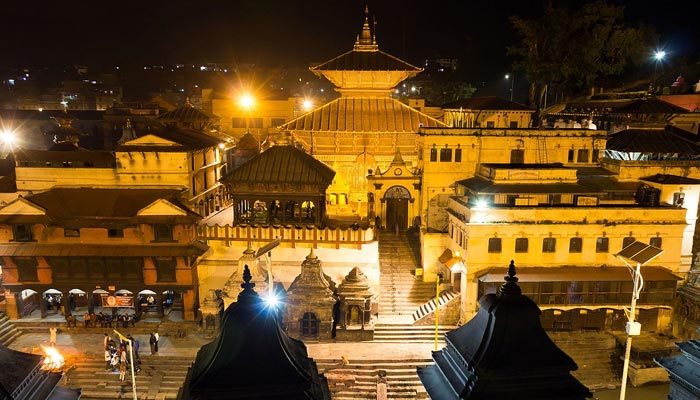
(53, 360)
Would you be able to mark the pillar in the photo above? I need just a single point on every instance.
(159, 301)
(42, 305)
(12, 305)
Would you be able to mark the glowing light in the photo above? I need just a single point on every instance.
(507, 76)
(659, 55)
(222, 146)
(308, 105)
(272, 301)
(481, 204)
(246, 101)
(8, 137)
(53, 360)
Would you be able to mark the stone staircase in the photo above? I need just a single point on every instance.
(428, 307)
(401, 293)
(160, 378)
(8, 331)
(410, 333)
(593, 352)
(402, 382)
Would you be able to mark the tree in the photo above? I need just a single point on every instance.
(573, 49)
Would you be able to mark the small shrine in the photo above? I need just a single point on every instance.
(258, 273)
(212, 310)
(502, 353)
(358, 308)
(311, 302)
(253, 358)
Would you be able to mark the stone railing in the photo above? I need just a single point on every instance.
(291, 235)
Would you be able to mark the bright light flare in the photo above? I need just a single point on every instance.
(8, 137)
(246, 101)
(307, 105)
(272, 301)
(659, 55)
(481, 204)
(53, 360)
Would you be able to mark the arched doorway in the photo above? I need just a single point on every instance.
(77, 301)
(397, 199)
(53, 299)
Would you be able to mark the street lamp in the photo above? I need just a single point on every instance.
(640, 254)
(246, 102)
(512, 83)
(659, 56)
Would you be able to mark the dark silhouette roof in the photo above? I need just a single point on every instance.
(502, 353)
(283, 164)
(187, 113)
(253, 358)
(490, 103)
(666, 179)
(669, 140)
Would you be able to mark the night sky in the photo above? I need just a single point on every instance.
(291, 32)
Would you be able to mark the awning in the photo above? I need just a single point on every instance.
(81, 250)
(567, 274)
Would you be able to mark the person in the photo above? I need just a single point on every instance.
(108, 358)
(157, 339)
(106, 340)
(152, 341)
(135, 346)
(86, 317)
(93, 319)
(52, 336)
(122, 372)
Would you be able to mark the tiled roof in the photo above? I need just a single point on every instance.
(355, 60)
(363, 114)
(16, 368)
(189, 139)
(283, 164)
(491, 103)
(669, 140)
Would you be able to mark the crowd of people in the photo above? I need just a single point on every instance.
(92, 320)
(117, 355)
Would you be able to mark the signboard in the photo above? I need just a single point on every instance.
(117, 301)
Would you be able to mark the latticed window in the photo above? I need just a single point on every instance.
(309, 324)
(521, 245)
(575, 245)
(549, 245)
(601, 245)
(494, 245)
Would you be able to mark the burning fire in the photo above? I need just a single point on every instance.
(53, 361)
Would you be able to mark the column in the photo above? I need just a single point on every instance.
(159, 300)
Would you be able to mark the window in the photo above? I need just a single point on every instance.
(164, 233)
(490, 124)
(69, 232)
(309, 324)
(517, 156)
(275, 122)
(22, 233)
(583, 156)
(115, 233)
(549, 245)
(433, 154)
(575, 245)
(445, 155)
(26, 269)
(458, 155)
(494, 245)
(238, 123)
(627, 241)
(513, 124)
(601, 245)
(521, 245)
(571, 156)
(165, 269)
(655, 241)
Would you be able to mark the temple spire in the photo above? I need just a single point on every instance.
(511, 286)
(366, 41)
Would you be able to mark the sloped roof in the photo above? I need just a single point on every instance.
(666, 179)
(355, 60)
(188, 139)
(660, 141)
(283, 164)
(105, 207)
(188, 113)
(15, 367)
(363, 114)
(651, 105)
(490, 103)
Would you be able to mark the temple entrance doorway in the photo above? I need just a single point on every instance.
(397, 199)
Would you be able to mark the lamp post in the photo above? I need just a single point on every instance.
(512, 83)
(640, 254)
(438, 278)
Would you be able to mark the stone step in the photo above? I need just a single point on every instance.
(428, 307)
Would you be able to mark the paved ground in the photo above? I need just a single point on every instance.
(652, 391)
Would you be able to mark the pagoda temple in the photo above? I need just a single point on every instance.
(252, 358)
(503, 353)
(361, 129)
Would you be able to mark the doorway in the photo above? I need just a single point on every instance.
(397, 199)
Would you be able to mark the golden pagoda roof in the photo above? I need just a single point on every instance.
(365, 60)
(363, 115)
